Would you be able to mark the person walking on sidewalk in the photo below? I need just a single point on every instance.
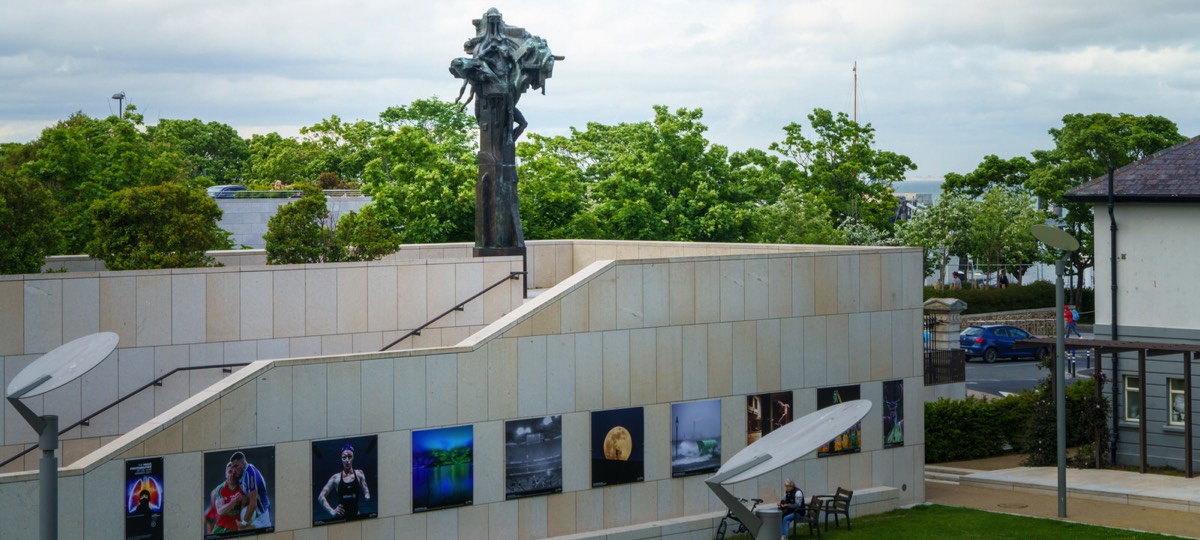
(1072, 317)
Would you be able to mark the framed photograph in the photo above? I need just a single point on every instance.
(618, 437)
(695, 437)
(239, 487)
(443, 472)
(893, 413)
(344, 479)
(766, 413)
(532, 457)
(144, 499)
(850, 441)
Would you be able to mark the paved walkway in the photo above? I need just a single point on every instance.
(1125, 500)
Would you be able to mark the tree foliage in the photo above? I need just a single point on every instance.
(81, 160)
(364, 237)
(160, 226)
(942, 229)
(301, 232)
(1000, 229)
(26, 224)
(797, 218)
(212, 151)
(422, 178)
(840, 166)
(991, 172)
(552, 189)
(1085, 148)
(653, 180)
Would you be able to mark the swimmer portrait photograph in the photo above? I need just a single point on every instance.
(344, 473)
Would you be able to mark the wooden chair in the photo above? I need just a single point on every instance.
(812, 517)
(837, 505)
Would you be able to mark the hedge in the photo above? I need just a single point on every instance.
(1039, 294)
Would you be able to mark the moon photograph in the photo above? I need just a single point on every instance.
(617, 446)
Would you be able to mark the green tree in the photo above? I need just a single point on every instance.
(302, 232)
(26, 224)
(422, 179)
(213, 151)
(82, 160)
(345, 148)
(999, 233)
(840, 166)
(655, 180)
(797, 218)
(275, 157)
(160, 226)
(1086, 147)
(942, 229)
(364, 237)
(551, 189)
(991, 172)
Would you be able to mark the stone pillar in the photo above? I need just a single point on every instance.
(948, 312)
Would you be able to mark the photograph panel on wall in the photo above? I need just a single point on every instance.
(533, 457)
(850, 441)
(893, 413)
(344, 474)
(443, 468)
(695, 437)
(766, 413)
(618, 438)
(144, 499)
(239, 489)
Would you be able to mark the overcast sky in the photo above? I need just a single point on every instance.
(944, 82)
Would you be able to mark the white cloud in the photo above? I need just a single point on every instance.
(943, 82)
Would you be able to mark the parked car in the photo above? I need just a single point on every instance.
(225, 191)
(998, 341)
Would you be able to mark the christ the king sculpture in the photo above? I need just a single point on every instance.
(505, 62)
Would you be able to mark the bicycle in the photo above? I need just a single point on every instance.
(741, 527)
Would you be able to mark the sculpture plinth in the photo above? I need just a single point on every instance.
(505, 62)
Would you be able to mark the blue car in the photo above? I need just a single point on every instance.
(998, 341)
(226, 191)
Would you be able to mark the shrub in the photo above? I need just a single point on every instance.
(164, 226)
(961, 429)
(975, 428)
(301, 232)
(365, 237)
(1039, 294)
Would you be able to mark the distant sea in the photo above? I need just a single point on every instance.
(933, 187)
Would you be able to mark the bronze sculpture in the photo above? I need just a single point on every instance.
(505, 62)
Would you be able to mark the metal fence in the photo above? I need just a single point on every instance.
(944, 367)
(941, 366)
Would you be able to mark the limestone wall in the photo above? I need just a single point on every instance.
(168, 319)
(643, 333)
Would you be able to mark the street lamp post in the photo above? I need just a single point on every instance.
(60, 366)
(120, 97)
(1061, 240)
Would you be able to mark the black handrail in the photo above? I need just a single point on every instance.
(458, 307)
(227, 368)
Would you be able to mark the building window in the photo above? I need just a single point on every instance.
(1133, 412)
(1175, 393)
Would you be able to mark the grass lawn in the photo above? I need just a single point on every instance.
(937, 521)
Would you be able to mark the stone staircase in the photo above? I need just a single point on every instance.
(939, 474)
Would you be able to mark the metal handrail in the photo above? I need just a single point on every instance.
(458, 307)
(227, 368)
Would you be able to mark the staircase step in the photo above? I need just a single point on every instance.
(946, 482)
(948, 477)
(950, 470)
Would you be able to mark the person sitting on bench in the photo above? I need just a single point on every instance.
(791, 505)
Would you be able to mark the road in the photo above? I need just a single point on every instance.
(1012, 376)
